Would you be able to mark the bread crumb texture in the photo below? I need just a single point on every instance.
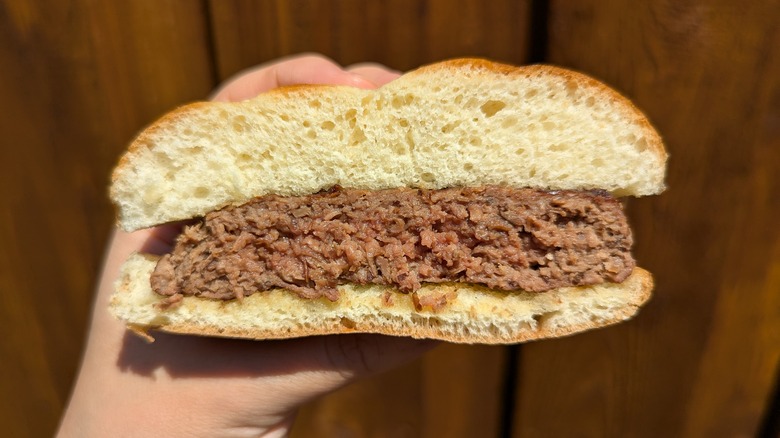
(470, 314)
(455, 123)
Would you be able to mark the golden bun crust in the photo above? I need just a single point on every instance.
(630, 111)
(472, 314)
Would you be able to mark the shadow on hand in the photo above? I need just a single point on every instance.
(184, 356)
(161, 239)
(196, 356)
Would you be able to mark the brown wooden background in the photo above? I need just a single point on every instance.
(78, 78)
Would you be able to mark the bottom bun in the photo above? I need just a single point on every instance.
(463, 313)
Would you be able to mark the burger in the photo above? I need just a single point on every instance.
(466, 201)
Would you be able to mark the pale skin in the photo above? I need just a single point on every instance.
(194, 386)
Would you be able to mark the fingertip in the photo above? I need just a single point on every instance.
(357, 80)
(378, 74)
(300, 69)
(360, 354)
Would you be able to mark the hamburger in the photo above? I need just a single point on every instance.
(467, 201)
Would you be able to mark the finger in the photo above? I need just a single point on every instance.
(376, 73)
(297, 370)
(343, 357)
(316, 69)
(359, 355)
(296, 70)
(162, 239)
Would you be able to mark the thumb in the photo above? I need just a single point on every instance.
(291, 371)
(378, 74)
(359, 355)
(295, 70)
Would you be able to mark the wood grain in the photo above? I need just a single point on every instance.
(463, 391)
(77, 80)
(701, 358)
(387, 405)
(454, 391)
(402, 34)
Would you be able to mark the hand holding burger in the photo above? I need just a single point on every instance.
(197, 386)
(467, 201)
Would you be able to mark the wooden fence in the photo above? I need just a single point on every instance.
(79, 78)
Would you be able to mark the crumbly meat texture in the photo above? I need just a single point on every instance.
(504, 238)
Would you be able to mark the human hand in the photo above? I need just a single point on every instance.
(196, 386)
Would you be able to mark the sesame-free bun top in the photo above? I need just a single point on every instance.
(463, 122)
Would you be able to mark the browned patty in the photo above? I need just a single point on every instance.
(503, 238)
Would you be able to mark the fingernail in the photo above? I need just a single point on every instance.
(360, 81)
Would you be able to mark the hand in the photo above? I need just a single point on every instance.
(302, 69)
(195, 386)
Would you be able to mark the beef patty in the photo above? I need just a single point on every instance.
(500, 237)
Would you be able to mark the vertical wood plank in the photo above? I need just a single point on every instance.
(77, 80)
(463, 391)
(371, 408)
(701, 358)
(402, 34)
(457, 390)
(454, 391)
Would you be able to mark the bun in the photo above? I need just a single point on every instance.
(458, 123)
(472, 314)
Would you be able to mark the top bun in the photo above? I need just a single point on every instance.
(463, 122)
